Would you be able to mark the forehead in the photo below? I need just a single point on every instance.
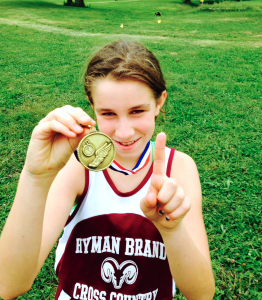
(108, 92)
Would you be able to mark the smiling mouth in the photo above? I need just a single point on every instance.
(127, 143)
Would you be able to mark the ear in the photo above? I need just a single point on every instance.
(160, 102)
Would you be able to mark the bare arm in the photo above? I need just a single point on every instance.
(67, 187)
(184, 232)
(187, 247)
(21, 238)
(33, 224)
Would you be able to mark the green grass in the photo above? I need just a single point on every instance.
(212, 60)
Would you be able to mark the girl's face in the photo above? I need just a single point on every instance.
(126, 112)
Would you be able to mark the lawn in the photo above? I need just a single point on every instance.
(212, 61)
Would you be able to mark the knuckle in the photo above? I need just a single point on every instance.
(68, 119)
(186, 205)
(67, 106)
(41, 122)
(159, 160)
(172, 183)
(56, 112)
(161, 202)
(167, 209)
(180, 194)
(36, 129)
(172, 216)
(51, 123)
(78, 109)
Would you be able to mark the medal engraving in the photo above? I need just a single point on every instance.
(100, 155)
(88, 149)
(96, 151)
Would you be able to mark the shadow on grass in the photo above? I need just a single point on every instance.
(188, 2)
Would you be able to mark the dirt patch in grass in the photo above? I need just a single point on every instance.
(232, 19)
(192, 21)
(206, 42)
(47, 28)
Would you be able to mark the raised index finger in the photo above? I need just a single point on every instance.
(159, 160)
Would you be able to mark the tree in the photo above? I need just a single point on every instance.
(78, 3)
(68, 3)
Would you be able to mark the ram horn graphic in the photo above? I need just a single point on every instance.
(112, 272)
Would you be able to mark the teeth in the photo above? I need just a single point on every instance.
(127, 144)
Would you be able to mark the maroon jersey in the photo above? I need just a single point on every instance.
(109, 249)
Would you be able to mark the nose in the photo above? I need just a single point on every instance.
(124, 130)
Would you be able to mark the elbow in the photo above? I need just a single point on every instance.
(212, 289)
(7, 294)
(210, 292)
(213, 292)
(206, 292)
(208, 295)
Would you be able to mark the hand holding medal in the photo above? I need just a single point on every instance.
(55, 138)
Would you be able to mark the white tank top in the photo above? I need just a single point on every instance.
(109, 249)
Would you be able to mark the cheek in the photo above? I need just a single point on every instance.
(147, 125)
(105, 126)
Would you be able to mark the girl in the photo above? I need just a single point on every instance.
(129, 237)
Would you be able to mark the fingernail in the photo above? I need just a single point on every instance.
(167, 218)
(161, 212)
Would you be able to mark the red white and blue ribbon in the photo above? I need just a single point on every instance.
(143, 161)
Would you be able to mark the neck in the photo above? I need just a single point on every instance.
(122, 179)
(138, 162)
(127, 163)
(142, 162)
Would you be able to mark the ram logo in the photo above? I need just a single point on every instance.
(112, 272)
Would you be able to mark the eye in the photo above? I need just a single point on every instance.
(108, 114)
(137, 111)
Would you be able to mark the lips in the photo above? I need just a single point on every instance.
(126, 144)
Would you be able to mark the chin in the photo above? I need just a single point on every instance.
(130, 154)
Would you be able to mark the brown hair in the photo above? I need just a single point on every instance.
(125, 60)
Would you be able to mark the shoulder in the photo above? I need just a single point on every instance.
(182, 165)
(184, 171)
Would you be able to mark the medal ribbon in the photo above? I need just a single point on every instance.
(141, 164)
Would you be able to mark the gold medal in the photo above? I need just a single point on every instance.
(96, 151)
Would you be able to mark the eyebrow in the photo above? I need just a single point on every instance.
(142, 106)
